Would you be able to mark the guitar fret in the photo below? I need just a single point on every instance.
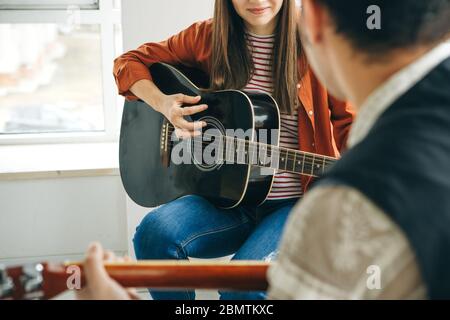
(276, 154)
(276, 158)
(246, 153)
(269, 156)
(240, 152)
(265, 156)
(236, 150)
(323, 166)
(252, 153)
(290, 162)
(308, 165)
(295, 160)
(264, 159)
(282, 160)
(319, 168)
(303, 163)
(286, 161)
(229, 151)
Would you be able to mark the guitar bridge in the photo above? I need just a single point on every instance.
(165, 143)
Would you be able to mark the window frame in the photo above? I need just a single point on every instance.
(107, 17)
(47, 4)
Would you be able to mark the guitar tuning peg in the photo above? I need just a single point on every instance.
(6, 283)
(32, 278)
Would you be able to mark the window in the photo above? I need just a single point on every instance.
(50, 79)
(48, 4)
(56, 61)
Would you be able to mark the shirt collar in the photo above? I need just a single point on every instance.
(400, 83)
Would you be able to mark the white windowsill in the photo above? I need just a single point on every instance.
(58, 161)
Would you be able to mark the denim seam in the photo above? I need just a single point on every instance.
(201, 234)
(188, 293)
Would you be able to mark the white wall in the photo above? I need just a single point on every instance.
(156, 20)
(150, 21)
(55, 219)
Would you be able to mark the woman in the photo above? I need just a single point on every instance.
(252, 45)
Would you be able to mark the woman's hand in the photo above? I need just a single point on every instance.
(171, 106)
(99, 286)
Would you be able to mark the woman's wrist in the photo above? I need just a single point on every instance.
(147, 91)
(156, 100)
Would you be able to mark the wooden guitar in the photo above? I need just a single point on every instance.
(47, 280)
(240, 173)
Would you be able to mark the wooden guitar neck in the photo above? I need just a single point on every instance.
(48, 280)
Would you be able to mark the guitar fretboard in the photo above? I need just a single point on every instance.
(239, 151)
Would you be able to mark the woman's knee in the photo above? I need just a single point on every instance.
(160, 234)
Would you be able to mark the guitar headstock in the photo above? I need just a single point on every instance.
(32, 281)
(20, 283)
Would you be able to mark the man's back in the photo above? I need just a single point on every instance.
(385, 202)
(403, 166)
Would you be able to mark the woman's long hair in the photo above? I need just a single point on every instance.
(232, 64)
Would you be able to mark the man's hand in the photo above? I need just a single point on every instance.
(99, 286)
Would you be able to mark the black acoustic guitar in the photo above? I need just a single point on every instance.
(239, 172)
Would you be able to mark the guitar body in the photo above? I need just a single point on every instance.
(150, 180)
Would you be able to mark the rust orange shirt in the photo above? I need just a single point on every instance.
(323, 121)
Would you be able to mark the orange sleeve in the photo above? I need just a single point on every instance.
(342, 115)
(183, 48)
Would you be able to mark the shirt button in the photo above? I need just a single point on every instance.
(313, 144)
(311, 113)
(299, 86)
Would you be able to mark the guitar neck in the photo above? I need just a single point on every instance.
(277, 158)
(304, 163)
(175, 275)
(234, 150)
(47, 280)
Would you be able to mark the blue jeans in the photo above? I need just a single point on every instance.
(193, 227)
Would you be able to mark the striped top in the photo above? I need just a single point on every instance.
(286, 185)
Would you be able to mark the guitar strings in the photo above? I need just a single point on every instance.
(307, 168)
(328, 159)
(308, 158)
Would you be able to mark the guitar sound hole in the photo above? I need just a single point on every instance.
(207, 150)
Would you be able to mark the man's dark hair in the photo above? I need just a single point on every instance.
(404, 23)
